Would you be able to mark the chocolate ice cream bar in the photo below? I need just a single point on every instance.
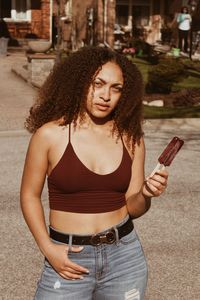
(167, 156)
(170, 151)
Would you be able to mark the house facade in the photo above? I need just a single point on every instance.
(79, 23)
(75, 23)
(88, 23)
(149, 16)
(26, 18)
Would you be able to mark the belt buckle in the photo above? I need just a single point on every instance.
(108, 238)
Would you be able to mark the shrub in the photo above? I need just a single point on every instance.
(193, 65)
(163, 75)
(187, 98)
(144, 50)
(142, 47)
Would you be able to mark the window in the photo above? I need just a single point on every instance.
(156, 7)
(138, 9)
(122, 14)
(5, 9)
(141, 15)
(16, 10)
(21, 9)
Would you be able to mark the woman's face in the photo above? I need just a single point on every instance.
(105, 91)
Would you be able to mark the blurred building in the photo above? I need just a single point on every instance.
(86, 23)
(73, 23)
(26, 18)
(147, 18)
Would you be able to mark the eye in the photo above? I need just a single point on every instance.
(117, 89)
(97, 84)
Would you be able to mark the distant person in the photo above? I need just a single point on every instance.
(184, 24)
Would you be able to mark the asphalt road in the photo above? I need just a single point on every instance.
(169, 232)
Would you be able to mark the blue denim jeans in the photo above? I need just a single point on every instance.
(118, 271)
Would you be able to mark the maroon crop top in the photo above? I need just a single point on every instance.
(75, 188)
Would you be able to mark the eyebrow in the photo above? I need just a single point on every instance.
(114, 84)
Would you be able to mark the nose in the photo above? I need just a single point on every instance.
(105, 95)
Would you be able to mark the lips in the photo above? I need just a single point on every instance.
(102, 106)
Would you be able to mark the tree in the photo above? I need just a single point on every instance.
(60, 12)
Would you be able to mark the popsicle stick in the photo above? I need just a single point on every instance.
(157, 168)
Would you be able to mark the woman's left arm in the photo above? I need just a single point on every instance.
(141, 190)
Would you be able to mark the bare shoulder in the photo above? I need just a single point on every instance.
(134, 149)
(140, 145)
(48, 134)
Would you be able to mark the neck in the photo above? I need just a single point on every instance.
(92, 122)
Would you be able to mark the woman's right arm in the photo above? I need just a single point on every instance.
(33, 179)
(32, 184)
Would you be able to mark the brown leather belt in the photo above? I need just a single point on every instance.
(107, 237)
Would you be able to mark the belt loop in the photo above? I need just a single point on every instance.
(70, 242)
(116, 234)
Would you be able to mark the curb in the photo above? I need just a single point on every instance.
(187, 124)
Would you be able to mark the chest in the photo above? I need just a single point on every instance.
(100, 155)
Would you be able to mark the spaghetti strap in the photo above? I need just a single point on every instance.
(125, 147)
(69, 141)
(121, 139)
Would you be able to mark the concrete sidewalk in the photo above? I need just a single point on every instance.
(16, 95)
(169, 232)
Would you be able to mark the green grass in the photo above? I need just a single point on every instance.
(188, 83)
(151, 112)
(143, 66)
(192, 81)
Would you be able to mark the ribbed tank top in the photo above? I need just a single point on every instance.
(74, 188)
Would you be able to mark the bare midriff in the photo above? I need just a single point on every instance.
(83, 224)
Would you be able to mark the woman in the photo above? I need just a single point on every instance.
(88, 141)
(183, 19)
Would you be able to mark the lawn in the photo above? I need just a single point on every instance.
(192, 81)
(189, 82)
(143, 66)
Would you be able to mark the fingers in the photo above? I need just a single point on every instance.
(157, 183)
(71, 270)
(76, 268)
(153, 189)
(71, 274)
(75, 248)
(161, 173)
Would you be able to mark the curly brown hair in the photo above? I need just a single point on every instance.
(65, 90)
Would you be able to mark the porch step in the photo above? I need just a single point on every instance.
(12, 49)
